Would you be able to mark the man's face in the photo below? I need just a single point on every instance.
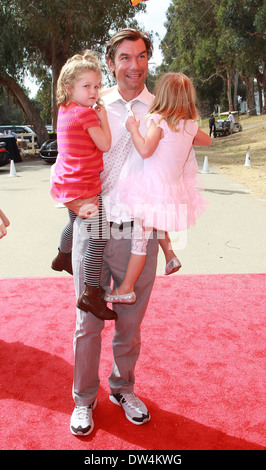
(130, 67)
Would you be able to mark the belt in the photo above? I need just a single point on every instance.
(121, 226)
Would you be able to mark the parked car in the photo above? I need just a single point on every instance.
(222, 127)
(48, 151)
(17, 130)
(4, 154)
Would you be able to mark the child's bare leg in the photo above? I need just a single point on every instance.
(134, 268)
(172, 262)
(166, 245)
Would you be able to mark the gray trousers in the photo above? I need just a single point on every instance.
(126, 340)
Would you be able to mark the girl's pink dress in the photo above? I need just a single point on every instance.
(165, 194)
(76, 172)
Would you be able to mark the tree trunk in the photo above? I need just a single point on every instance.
(249, 81)
(27, 107)
(229, 89)
(264, 83)
(59, 57)
(235, 91)
(258, 77)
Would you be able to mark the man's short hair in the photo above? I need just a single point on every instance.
(129, 34)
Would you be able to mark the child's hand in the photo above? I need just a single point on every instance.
(4, 222)
(84, 208)
(88, 210)
(101, 112)
(132, 124)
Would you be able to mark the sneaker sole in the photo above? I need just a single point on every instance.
(80, 433)
(138, 423)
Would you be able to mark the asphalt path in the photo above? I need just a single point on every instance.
(228, 238)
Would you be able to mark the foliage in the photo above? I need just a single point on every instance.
(214, 42)
(40, 35)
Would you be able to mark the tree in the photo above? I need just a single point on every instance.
(40, 35)
(217, 42)
(190, 46)
(245, 21)
(12, 65)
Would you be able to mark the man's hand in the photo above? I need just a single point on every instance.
(84, 208)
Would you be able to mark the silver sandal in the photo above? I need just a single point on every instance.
(120, 298)
(173, 266)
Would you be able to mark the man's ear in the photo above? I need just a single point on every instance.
(110, 65)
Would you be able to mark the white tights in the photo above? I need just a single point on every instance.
(140, 238)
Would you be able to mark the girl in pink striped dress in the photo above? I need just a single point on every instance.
(83, 134)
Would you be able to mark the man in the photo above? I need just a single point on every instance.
(232, 122)
(127, 57)
(212, 125)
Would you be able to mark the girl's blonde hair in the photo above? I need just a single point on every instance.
(73, 68)
(175, 98)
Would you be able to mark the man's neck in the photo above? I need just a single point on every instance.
(129, 95)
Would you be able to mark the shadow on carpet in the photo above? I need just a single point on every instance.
(201, 369)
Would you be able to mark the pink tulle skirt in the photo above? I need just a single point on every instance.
(168, 207)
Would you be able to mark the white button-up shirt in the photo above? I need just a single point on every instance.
(117, 113)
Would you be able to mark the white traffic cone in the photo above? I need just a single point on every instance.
(205, 168)
(12, 171)
(247, 162)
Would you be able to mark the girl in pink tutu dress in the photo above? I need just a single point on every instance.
(163, 195)
(83, 134)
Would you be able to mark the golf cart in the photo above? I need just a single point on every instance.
(222, 126)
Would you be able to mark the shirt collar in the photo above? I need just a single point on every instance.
(113, 95)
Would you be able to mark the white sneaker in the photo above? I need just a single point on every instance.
(81, 423)
(134, 408)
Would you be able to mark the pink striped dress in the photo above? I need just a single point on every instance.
(76, 173)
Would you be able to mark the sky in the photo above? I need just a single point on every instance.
(152, 20)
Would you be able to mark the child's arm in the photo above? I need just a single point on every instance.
(144, 145)
(202, 139)
(101, 136)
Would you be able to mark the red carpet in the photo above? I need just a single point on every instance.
(201, 370)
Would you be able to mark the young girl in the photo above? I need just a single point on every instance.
(83, 133)
(163, 195)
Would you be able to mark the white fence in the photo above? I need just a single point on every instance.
(30, 139)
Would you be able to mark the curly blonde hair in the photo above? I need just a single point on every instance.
(73, 68)
(175, 99)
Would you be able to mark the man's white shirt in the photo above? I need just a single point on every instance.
(117, 113)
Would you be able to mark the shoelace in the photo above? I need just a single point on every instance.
(131, 400)
(82, 412)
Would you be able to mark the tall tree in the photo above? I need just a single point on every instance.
(245, 21)
(217, 40)
(47, 32)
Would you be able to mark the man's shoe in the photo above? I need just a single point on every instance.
(81, 423)
(134, 408)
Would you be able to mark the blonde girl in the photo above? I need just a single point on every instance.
(83, 134)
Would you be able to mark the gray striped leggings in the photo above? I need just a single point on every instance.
(96, 231)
